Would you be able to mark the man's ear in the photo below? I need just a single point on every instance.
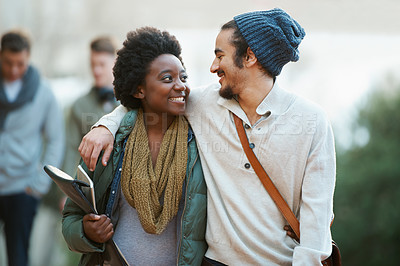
(250, 59)
(139, 94)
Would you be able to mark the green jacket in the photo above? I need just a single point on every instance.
(191, 238)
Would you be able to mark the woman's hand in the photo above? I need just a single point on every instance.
(96, 140)
(97, 228)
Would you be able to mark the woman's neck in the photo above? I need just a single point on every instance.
(156, 126)
(157, 123)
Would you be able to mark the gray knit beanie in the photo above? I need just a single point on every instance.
(273, 36)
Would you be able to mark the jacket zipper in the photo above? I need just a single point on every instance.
(184, 208)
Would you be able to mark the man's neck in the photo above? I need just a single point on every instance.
(252, 95)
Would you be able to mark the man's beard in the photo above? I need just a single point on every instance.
(226, 92)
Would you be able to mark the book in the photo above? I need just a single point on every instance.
(89, 190)
(81, 191)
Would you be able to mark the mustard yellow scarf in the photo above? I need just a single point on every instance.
(155, 192)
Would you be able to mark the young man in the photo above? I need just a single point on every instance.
(31, 135)
(290, 136)
(99, 101)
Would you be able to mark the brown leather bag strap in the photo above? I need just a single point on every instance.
(265, 179)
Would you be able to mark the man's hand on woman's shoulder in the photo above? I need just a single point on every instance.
(96, 140)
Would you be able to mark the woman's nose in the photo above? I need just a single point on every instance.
(179, 85)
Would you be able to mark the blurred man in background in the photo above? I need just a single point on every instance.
(31, 135)
(99, 101)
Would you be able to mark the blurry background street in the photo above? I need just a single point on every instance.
(349, 64)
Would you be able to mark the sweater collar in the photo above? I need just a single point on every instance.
(275, 103)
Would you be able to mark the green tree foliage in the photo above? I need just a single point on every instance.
(367, 197)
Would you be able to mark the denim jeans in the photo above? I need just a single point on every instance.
(17, 213)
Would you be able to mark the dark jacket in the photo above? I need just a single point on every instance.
(192, 213)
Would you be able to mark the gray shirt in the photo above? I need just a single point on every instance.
(139, 247)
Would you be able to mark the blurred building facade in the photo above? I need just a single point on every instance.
(61, 30)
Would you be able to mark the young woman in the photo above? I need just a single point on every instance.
(152, 194)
